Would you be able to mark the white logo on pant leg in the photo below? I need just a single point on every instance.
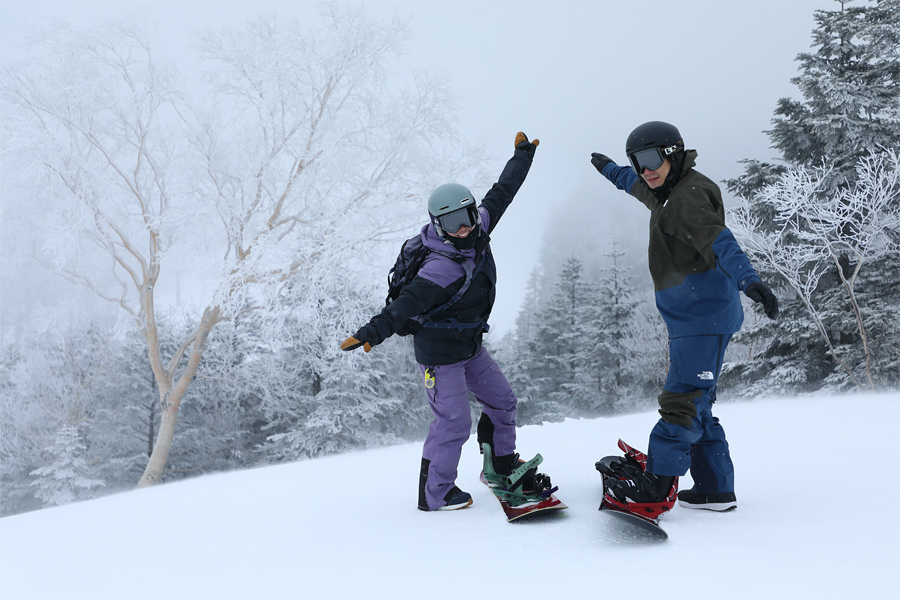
(707, 375)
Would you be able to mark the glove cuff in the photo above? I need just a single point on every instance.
(748, 281)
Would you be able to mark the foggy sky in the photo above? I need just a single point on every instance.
(577, 75)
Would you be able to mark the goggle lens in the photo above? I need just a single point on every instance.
(452, 222)
(651, 159)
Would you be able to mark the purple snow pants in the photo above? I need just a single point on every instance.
(449, 401)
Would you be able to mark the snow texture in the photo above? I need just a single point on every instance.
(817, 481)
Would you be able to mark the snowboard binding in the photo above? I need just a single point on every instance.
(523, 485)
(632, 468)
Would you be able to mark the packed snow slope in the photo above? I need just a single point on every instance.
(818, 486)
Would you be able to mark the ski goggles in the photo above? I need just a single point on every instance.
(453, 221)
(650, 159)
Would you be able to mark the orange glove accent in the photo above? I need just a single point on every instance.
(521, 137)
(351, 343)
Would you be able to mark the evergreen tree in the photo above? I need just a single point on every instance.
(530, 375)
(611, 360)
(828, 248)
(67, 476)
(585, 347)
(327, 401)
(850, 113)
(851, 102)
(850, 88)
(560, 340)
(354, 406)
(646, 343)
(54, 442)
(523, 362)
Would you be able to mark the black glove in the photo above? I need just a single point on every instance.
(600, 160)
(522, 143)
(760, 292)
(360, 338)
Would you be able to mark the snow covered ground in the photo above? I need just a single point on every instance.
(818, 485)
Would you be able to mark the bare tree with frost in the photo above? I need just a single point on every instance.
(815, 233)
(275, 188)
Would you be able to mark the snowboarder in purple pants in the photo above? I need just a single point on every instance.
(455, 288)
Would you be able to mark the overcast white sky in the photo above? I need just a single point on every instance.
(578, 75)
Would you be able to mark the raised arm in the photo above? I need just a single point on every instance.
(501, 195)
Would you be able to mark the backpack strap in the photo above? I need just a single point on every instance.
(454, 324)
(470, 276)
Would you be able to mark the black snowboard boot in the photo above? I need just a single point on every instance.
(453, 500)
(456, 499)
(626, 481)
(719, 502)
(643, 489)
(485, 432)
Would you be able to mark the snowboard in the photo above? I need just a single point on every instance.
(526, 509)
(632, 520)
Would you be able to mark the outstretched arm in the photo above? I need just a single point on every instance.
(623, 178)
(415, 299)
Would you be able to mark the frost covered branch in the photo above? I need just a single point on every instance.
(814, 232)
(276, 184)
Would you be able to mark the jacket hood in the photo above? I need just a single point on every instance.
(682, 163)
(431, 239)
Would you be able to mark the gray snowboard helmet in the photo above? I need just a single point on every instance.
(452, 206)
(650, 144)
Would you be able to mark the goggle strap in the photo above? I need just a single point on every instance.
(670, 150)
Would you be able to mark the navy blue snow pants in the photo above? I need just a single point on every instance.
(689, 436)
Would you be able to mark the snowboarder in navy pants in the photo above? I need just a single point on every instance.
(448, 342)
(698, 270)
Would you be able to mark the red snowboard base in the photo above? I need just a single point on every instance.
(527, 509)
(647, 525)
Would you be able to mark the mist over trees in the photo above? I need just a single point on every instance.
(296, 158)
(281, 184)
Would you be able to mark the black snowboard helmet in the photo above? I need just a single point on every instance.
(651, 143)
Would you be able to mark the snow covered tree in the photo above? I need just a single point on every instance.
(850, 112)
(558, 343)
(51, 422)
(297, 166)
(523, 362)
(352, 406)
(850, 86)
(646, 343)
(585, 346)
(836, 237)
(851, 104)
(66, 477)
(609, 358)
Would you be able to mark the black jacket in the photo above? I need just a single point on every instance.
(440, 278)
